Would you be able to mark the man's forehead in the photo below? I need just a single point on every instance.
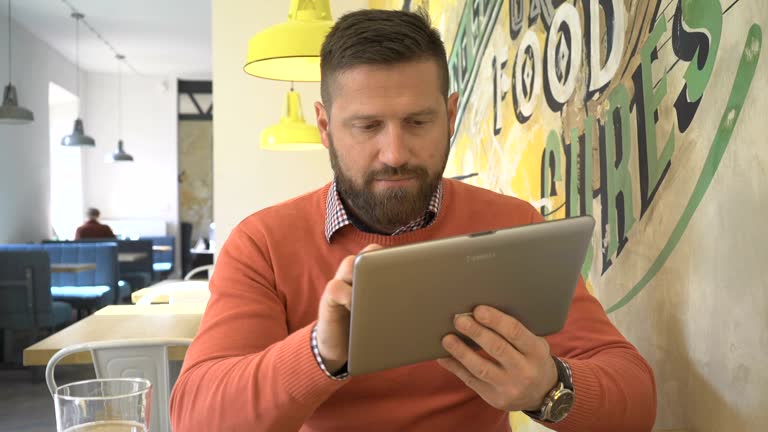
(407, 87)
(371, 76)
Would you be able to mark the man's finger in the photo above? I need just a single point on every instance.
(338, 293)
(480, 367)
(509, 328)
(453, 366)
(372, 246)
(344, 272)
(494, 344)
(347, 266)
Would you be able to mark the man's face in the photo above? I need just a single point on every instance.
(388, 137)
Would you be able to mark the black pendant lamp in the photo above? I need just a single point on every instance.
(120, 155)
(10, 111)
(78, 138)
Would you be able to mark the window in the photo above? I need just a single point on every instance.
(66, 165)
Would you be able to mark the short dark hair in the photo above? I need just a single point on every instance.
(380, 37)
(93, 213)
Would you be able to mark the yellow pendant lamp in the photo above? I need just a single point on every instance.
(291, 51)
(292, 132)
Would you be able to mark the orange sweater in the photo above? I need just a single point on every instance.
(251, 367)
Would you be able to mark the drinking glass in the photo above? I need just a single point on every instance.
(104, 405)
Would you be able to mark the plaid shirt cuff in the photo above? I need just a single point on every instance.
(342, 375)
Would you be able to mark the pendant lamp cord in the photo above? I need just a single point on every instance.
(120, 96)
(10, 56)
(77, 18)
(98, 35)
(77, 55)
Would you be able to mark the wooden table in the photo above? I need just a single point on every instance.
(120, 322)
(127, 257)
(139, 294)
(162, 248)
(72, 268)
(189, 291)
(178, 309)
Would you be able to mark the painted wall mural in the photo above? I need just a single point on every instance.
(603, 125)
(620, 109)
(196, 176)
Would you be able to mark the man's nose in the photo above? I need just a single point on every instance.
(394, 150)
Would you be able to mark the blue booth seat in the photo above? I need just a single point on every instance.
(25, 297)
(162, 261)
(86, 290)
(137, 272)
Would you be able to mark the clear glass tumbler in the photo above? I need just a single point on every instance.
(104, 405)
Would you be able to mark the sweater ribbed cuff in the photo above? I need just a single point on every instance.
(299, 372)
(588, 397)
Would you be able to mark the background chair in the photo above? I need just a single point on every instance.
(136, 358)
(186, 244)
(208, 268)
(25, 298)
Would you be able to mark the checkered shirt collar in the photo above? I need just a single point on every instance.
(336, 216)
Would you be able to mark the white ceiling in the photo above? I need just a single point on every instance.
(158, 37)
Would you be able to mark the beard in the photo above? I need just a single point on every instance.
(393, 207)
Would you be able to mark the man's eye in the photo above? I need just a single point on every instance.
(367, 127)
(418, 122)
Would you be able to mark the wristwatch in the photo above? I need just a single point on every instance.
(559, 401)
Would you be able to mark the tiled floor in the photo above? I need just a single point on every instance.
(25, 404)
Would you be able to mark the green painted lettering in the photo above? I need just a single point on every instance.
(616, 194)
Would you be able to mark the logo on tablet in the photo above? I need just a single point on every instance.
(482, 257)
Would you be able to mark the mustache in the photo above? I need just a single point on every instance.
(401, 171)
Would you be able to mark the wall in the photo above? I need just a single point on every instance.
(24, 150)
(247, 178)
(661, 147)
(146, 188)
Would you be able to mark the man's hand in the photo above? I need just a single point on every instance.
(333, 316)
(520, 371)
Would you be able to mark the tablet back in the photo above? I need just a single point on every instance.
(404, 298)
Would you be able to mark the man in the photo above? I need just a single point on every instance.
(267, 359)
(92, 229)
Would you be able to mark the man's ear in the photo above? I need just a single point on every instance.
(323, 122)
(453, 103)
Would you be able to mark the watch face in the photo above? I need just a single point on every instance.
(561, 406)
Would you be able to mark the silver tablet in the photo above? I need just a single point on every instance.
(404, 298)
